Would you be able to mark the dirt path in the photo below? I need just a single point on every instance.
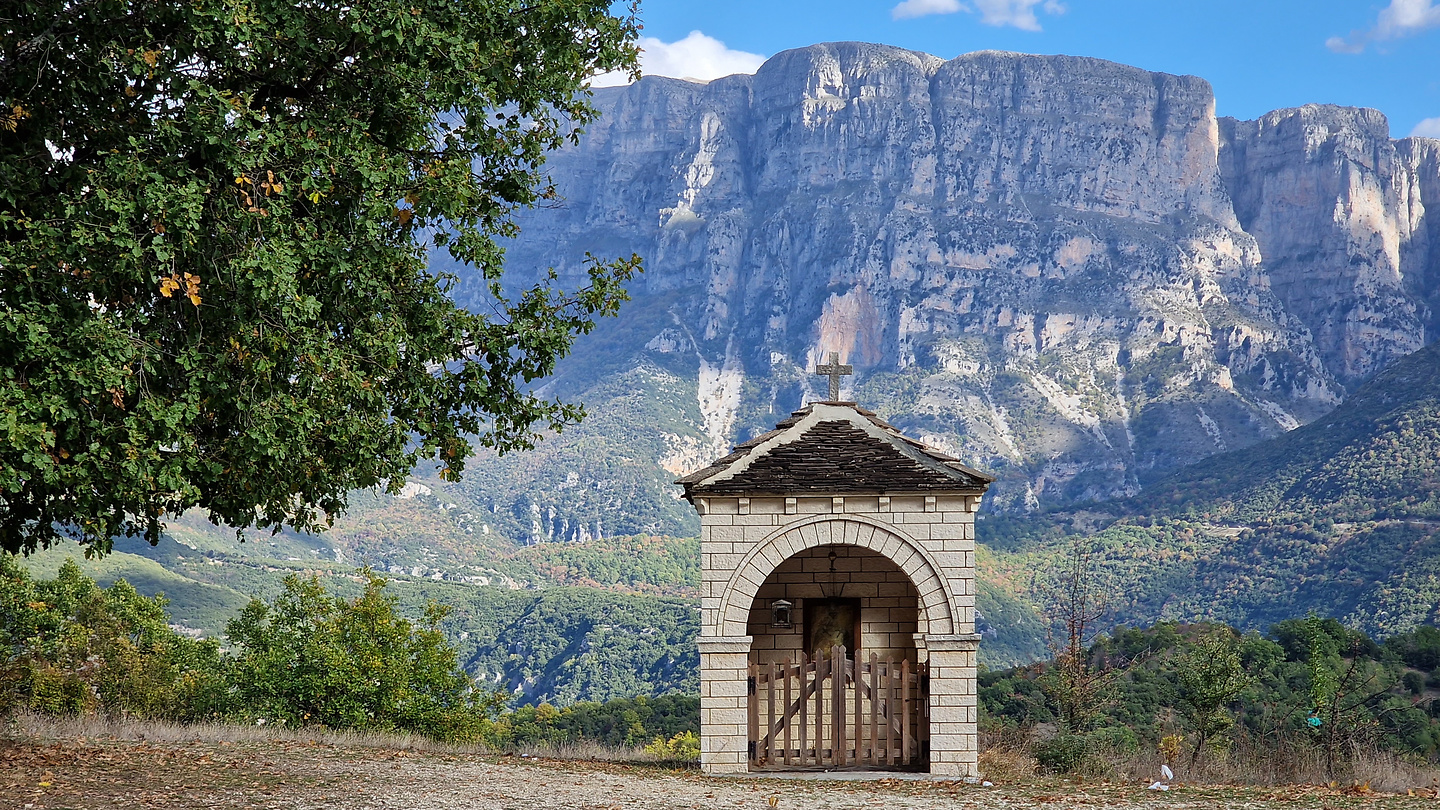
(291, 775)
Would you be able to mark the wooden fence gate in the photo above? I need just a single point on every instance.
(835, 712)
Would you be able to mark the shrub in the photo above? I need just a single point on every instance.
(1414, 682)
(311, 659)
(1063, 753)
(72, 647)
(1113, 740)
(684, 747)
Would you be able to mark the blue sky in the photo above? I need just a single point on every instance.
(1260, 55)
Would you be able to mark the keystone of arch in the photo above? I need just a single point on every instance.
(825, 530)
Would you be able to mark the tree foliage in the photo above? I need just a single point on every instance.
(215, 223)
(1209, 685)
(308, 658)
(70, 647)
(303, 658)
(1210, 678)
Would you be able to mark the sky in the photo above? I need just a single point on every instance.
(1259, 55)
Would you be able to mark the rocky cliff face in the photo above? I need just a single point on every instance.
(1065, 270)
(1339, 212)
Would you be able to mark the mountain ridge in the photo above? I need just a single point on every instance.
(1036, 263)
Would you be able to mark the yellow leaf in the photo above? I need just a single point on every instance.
(315, 197)
(168, 286)
(150, 57)
(195, 299)
(10, 121)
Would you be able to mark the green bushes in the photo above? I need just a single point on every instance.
(1310, 684)
(1062, 753)
(1068, 752)
(623, 723)
(71, 647)
(312, 659)
(306, 658)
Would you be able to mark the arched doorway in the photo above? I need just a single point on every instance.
(836, 679)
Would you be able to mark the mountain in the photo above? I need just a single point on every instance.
(1340, 517)
(1069, 272)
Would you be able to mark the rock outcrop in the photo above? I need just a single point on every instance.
(1338, 209)
(1067, 271)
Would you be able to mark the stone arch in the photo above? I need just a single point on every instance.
(936, 601)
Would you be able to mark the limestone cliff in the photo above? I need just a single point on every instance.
(1065, 270)
(1338, 209)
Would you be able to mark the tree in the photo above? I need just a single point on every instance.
(1210, 678)
(1346, 687)
(68, 646)
(1075, 602)
(215, 224)
(308, 658)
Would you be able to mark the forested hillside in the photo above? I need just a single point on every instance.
(1341, 517)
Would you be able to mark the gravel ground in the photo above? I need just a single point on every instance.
(300, 775)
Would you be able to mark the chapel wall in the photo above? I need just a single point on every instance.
(730, 528)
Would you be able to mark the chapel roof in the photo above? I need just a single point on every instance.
(834, 447)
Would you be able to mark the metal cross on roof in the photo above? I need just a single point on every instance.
(834, 371)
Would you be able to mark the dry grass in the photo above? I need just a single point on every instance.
(1273, 763)
(589, 751)
(1006, 758)
(96, 727)
(28, 725)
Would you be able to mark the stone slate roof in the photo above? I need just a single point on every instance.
(833, 448)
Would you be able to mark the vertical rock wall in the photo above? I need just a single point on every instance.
(1066, 270)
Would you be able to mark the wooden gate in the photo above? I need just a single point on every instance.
(835, 712)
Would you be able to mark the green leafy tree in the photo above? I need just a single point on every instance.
(1347, 688)
(216, 220)
(1211, 677)
(308, 658)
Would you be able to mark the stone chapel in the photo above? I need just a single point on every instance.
(837, 599)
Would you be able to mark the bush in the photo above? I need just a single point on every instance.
(1060, 754)
(311, 659)
(1414, 682)
(1113, 740)
(683, 747)
(72, 647)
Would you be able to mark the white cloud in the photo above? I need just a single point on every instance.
(1429, 128)
(1399, 19)
(1017, 13)
(695, 57)
(924, 8)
